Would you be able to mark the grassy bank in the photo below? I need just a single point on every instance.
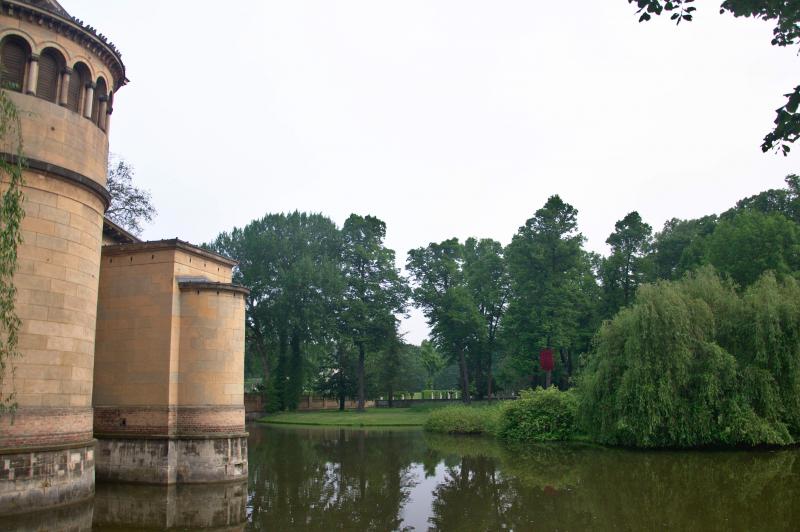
(373, 417)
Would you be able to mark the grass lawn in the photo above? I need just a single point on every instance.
(372, 417)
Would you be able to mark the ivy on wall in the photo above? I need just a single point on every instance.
(11, 214)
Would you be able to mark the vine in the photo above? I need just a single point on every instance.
(11, 214)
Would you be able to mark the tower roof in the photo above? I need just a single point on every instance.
(49, 5)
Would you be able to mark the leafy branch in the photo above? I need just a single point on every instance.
(11, 215)
(786, 14)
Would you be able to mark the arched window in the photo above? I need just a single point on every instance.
(13, 59)
(77, 84)
(50, 67)
(100, 95)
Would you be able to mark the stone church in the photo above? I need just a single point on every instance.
(131, 353)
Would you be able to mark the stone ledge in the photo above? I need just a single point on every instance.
(64, 174)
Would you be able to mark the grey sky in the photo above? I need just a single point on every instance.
(443, 118)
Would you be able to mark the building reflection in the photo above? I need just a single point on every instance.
(184, 506)
(218, 507)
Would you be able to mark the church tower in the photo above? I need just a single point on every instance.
(62, 75)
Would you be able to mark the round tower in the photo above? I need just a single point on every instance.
(62, 75)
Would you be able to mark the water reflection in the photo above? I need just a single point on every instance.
(317, 479)
(117, 507)
(182, 507)
(345, 479)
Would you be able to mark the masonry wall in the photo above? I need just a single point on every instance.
(169, 373)
(57, 282)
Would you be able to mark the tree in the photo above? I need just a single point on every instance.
(130, 206)
(440, 290)
(627, 266)
(432, 361)
(695, 363)
(550, 296)
(681, 246)
(291, 264)
(375, 291)
(786, 14)
(750, 243)
(785, 201)
(486, 276)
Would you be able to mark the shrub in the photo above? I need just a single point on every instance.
(462, 419)
(539, 415)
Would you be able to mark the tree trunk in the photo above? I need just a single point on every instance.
(489, 378)
(391, 396)
(341, 380)
(361, 392)
(462, 363)
(295, 384)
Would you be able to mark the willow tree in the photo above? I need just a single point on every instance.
(11, 214)
(697, 363)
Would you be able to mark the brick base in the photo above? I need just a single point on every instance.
(159, 460)
(38, 479)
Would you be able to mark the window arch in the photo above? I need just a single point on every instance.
(100, 95)
(77, 85)
(14, 57)
(51, 66)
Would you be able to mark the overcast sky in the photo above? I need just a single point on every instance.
(442, 118)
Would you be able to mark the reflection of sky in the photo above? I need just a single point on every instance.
(419, 507)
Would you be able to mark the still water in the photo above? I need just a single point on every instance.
(345, 479)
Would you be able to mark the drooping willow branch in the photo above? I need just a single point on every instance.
(11, 214)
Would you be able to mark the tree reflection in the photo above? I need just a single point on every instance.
(321, 479)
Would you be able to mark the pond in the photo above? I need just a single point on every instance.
(349, 479)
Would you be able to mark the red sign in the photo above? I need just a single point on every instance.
(546, 359)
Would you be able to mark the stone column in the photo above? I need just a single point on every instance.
(63, 100)
(102, 113)
(33, 74)
(88, 99)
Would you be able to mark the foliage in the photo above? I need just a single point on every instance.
(694, 363)
(539, 415)
(291, 264)
(749, 243)
(486, 277)
(785, 201)
(431, 360)
(553, 293)
(464, 419)
(442, 292)
(374, 293)
(628, 266)
(681, 246)
(786, 14)
(374, 417)
(11, 214)
(130, 206)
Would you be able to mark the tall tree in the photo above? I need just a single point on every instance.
(440, 290)
(130, 205)
(751, 243)
(375, 291)
(486, 276)
(786, 14)
(681, 246)
(549, 295)
(785, 201)
(290, 263)
(627, 266)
